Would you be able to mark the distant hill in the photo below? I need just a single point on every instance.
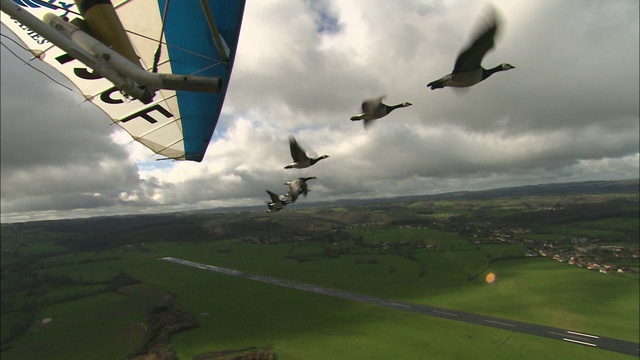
(561, 189)
(631, 186)
(306, 219)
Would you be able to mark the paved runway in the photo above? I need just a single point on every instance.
(581, 339)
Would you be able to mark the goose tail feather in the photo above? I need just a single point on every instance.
(438, 84)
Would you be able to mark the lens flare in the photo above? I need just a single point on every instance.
(491, 277)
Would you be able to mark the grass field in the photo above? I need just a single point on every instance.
(236, 313)
(102, 300)
(536, 290)
(88, 328)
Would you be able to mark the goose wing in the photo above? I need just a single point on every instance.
(294, 189)
(274, 197)
(304, 188)
(297, 152)
(372, 106)
(471, 58)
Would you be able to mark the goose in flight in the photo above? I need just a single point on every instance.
(297, 187)
(300, 158)
(277, 203)
(468, 69)
(374, 108)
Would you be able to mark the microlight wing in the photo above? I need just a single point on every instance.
(176, 124)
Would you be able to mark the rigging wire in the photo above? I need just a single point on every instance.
(28, 63)
(168, 45)
(156, 56)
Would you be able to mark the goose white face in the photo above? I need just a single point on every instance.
(507, 67)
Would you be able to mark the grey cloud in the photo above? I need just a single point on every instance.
(568, 112)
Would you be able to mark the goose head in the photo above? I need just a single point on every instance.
(507, 66)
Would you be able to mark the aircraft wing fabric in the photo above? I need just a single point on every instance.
(177, 124)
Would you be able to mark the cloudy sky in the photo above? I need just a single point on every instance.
(568, 111)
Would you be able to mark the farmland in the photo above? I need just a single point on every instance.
(77, 287)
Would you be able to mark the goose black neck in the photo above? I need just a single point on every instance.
(313, 161)
(392, 107)
(488, 72)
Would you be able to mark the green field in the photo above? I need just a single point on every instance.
(110, 301)
(236, 313)
(87, 328)
(527, 289)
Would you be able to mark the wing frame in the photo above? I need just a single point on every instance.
(168, 124)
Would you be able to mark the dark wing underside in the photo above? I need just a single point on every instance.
(370, 106)
(297, 152)
(471, 58)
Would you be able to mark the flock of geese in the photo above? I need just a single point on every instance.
(297, 186)
(467, 71)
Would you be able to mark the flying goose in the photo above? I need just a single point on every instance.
(468, 69)
(277, 203)
(300, 158)
(374, 109)
(297, 187)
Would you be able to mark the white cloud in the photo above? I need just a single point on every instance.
(568, 112)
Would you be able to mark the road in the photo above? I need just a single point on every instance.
(573, 337)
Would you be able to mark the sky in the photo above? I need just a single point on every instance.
(568, 111)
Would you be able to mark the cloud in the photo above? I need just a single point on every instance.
(568, 112)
